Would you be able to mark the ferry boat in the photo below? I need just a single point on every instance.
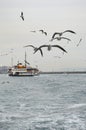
(23, 70)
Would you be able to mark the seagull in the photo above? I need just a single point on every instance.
(22, 16)
(61, 33)
(35, 48)
(43, 32)
(79, 42)
(49, 48)
(59, 38)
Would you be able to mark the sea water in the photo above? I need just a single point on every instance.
(44, 102)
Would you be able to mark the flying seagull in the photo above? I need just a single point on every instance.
(49, 48)
(35, 48)
(59, 38)
(22, 16)
(61, 33)
(43, 32)
(79, 42)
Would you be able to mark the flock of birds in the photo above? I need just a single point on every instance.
(56, 36)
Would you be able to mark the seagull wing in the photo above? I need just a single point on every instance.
(79, 41)
(66, 38)
(69, 31)
(41, 51)
(59, 47)
(45, 33)
(22, 18)
(55, 34)
(43, 46)
(41, 30)
(21, 13)
(30, 46)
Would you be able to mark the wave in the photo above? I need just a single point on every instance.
(77, 105)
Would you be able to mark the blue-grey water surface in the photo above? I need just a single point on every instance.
(44, 102)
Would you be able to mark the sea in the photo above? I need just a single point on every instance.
(43, 102)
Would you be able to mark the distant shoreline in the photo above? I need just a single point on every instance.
(65, 72)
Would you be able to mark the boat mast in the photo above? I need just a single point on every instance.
(25, 58)
(11, 61)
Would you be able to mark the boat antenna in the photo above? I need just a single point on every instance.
(11, 61)
(25, 58)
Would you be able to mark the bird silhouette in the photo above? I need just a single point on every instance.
(22, 16)
(59, 38)
(79, 42)
(61, 33)
(35, 48)
(49, 48)
(43, 32)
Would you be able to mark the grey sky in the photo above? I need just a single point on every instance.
(50, 15)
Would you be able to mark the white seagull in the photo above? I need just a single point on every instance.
(49, 48)
(61, 33)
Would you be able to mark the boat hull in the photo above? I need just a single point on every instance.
(21, 74)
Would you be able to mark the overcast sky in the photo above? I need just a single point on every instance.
(51, 16)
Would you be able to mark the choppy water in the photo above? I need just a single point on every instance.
(44, 102)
